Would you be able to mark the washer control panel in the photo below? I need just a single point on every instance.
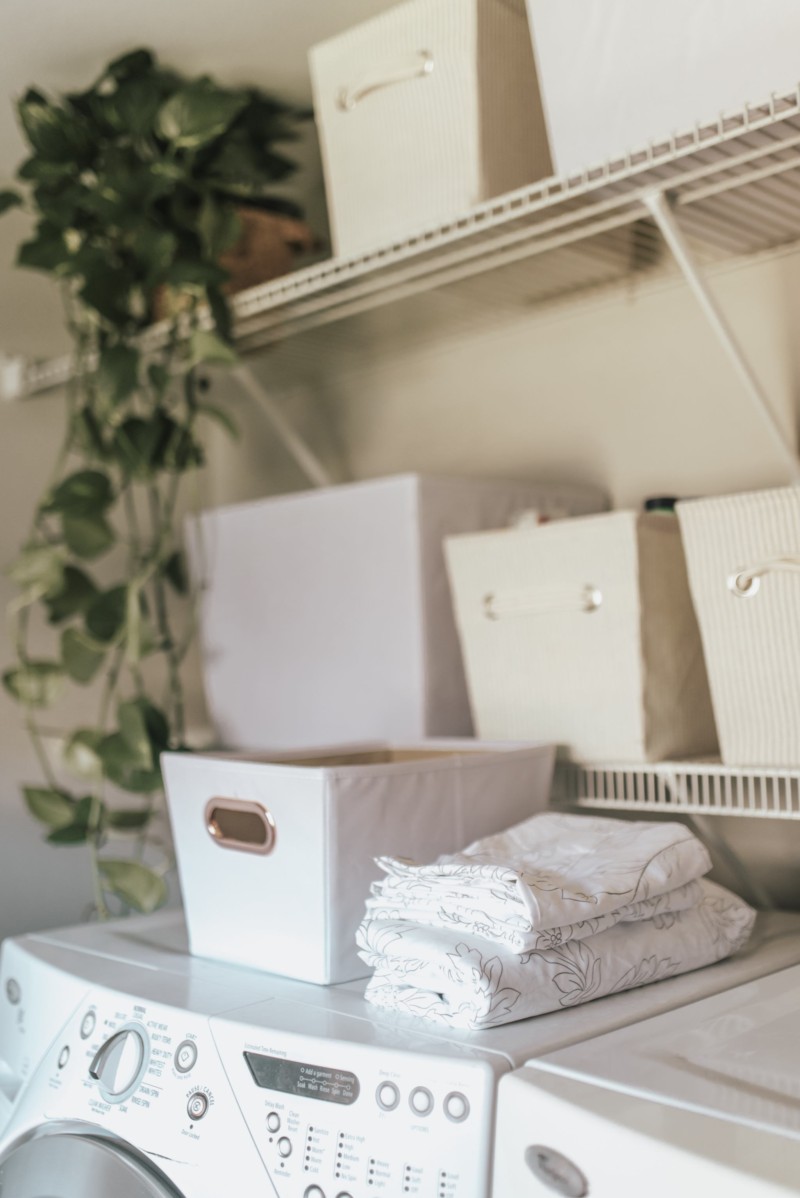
(339, 1118)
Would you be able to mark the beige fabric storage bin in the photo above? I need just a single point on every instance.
(583, 632)
(616, 75)
(326, 615)
(743, 555)
(275, 855)
(423, 112)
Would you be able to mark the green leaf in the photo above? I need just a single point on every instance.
(176, 572)
(75, 594)
(221, 417)
(198, 113)
(123, 767)
(135, 62)
(159, 378)
(144, 729)
(56, 808)
(81, 753)
(35, 684)
(54, 134)
(87, 536)
(129, 821)
(187, 273)
(118, 373)
(78, 830)
(139, 444)
(46, 251)
(135, 884)
(105, 615)
(84, 493)
(208, 347)
(109, 293)
(39, 569)
(219, 227)
(82, 656)
(9, 199)
(155, 251)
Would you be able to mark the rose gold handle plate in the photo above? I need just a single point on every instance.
(240, 824)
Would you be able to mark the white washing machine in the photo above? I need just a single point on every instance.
(704, 1100)
(135, 1070)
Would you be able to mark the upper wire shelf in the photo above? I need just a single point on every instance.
(734, 184)
(696, 788)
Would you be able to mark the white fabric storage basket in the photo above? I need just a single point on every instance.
(326, 615)
(618, 74)
(276, 856)
(423, 112)
(743, 555)
(583, 632)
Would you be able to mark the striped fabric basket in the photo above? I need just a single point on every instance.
(743, 556)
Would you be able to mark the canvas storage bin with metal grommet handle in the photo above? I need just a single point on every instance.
(276, 852)
(423, 112)
(743, 555)
(583, 630)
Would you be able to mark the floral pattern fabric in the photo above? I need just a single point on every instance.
(468, 981)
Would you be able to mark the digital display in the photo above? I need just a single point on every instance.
(306, 1081)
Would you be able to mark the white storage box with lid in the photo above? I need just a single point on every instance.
(275, 856)
(423, 112)
(743, 555)
(616, 75)
(326, 615)
(584, 631)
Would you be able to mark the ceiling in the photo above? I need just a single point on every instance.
(57, 46)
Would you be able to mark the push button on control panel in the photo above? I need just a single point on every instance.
(274, 1121)
(387, 1095)
(456, 1107)
(197, 1106)
(421, 1101)
(87, 1024)
(185, 1056)
(313, 1192)
(63, 1056)
(285, 1146)
(13, 991)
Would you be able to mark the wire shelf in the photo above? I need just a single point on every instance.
(734, 184)
(700, 788)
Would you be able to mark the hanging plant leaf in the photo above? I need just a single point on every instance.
(135, 62)
(219, 227)
(139, 444)
(82, 656)
(53, 133)
(123, 766)
(182, 451)
(129, 821)
(105, 615)
(87, 536)
(198, 113)
(56, 808)
(9, 199)
(176, 572)
(46, 251)
(39, 569)
(89, 434)
(192, 273)
(220, 417)
(138, 886)
(81, 753)
(144, 729)
(79, 828)
(35, 684)
(117, 374)
(74, 596)
(207, 347)
(82, 494)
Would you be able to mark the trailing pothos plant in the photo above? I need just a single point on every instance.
(134, 184)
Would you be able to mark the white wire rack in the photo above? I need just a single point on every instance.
(734, 184)
(697, 788)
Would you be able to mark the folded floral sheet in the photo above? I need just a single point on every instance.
(572, 876)
(464, 980)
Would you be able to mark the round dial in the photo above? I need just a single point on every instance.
(119, 1063)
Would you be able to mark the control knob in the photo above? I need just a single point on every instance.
(120, 1062)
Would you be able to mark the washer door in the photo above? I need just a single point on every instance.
(78, 1161)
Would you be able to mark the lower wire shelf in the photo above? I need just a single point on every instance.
(698, 787)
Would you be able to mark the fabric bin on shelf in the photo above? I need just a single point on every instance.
(743, 555)
(423, 112)
(275, 855)
(618, 75)
(326, 617)
(583, 632)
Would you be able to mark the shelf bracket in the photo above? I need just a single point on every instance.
(664, 216)
(305, 458)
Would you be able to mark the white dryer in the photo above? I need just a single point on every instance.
(703, 1100)
(133, 1069)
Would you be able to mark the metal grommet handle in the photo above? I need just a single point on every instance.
(240, 824)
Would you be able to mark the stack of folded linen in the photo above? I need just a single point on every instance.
(551, 913)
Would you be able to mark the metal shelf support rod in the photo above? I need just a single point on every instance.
(662, 213)
(308, 462)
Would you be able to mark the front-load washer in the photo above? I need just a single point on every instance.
(166, 1074)
(702, 1100)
